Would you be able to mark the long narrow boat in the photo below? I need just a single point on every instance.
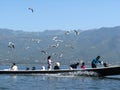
(103, 71)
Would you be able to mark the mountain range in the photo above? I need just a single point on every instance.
(65, 46)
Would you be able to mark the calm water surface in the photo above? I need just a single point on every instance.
(57, 82)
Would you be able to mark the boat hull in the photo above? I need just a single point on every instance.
(107, 71)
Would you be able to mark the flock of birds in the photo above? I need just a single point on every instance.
(55, 39)
(56, 44)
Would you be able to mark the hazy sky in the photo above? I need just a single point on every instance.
(59, 14)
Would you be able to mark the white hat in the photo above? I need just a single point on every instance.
(57, 64)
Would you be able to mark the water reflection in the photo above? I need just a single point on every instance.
(112, 77)
(56, 82)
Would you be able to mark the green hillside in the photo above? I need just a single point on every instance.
(34, 47)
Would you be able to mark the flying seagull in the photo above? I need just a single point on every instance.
(67, 32)
(76, 32)
(43, 51)
(11, 45)
(31, 9)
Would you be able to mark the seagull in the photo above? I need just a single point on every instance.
(53, 54)
(55, 45)
(11, 45)
(43, 51)
(67, 32)
(61, 55)
(36, 40)
(59, 41)
(54, 38)
(76, 32)
(70, 46)
(27, 48)
(31, 9)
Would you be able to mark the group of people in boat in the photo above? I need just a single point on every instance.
(75, 65)
(72, 66)
(93, 63)
(96, 61)
(57, 64)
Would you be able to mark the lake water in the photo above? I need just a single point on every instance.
(57, 82)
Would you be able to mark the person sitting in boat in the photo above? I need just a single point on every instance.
(49, 61)
(57, 66)
(83, 66)
(74, 66)
(96, 61)
(33, 68)
(105, 64)
(27, 68)
(14, 67)
(43, 68)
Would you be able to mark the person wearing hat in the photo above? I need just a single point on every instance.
(14, 67)
(57, 66)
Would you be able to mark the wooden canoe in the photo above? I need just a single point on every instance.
(103, 71)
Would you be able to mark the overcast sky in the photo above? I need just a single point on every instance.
(59, 14)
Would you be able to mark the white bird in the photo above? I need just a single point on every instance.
(53, 54)
(67, 32)
(54, 38)
(61, 55)
(27, 48)
(76, 32)
(55, 45)
(36, 40)
(58, 41)
(11, 45)
(70, 46)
